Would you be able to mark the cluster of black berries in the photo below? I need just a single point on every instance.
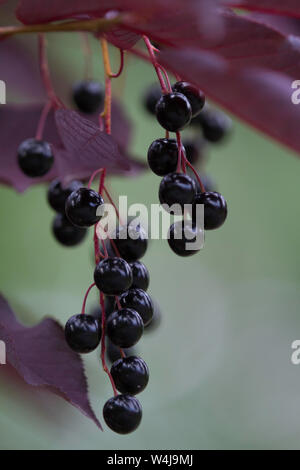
(174, 111)
(123, 280)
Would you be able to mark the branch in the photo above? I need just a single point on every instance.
(98, 25)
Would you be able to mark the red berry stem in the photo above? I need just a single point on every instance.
(116, 75)
(87, 54)
(100, 170)
(155, 64)
(85, 298)
(179, 145)
(44, 69)
(195, 173)
(42, 121)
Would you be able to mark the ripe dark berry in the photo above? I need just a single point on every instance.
(215, 124)
(66, 233)
(195, 96)
(152, 96)
(194, 150)
(140, 275)
(125, 327)
(83, 333)
(88, 96)
(122, 413)
(113, 276)
(35, 157)
(83, 207)
(131, 241)
(215, 209)
(173, 111)
(58, 194)
(130, 374)
(163, 156)
(140, 301)
(181, 234)
(177, 188)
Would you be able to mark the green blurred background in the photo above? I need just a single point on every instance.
(220, 363)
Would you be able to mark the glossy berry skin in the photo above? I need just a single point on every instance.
(152, 96)
(195, 96)
(58, 194)
(163, 156)
(66, 233)
(124, 327)
(130, 374)
(177, 188)
(173, 111)
(83, 333)
(82, 207)
(122, 413)
(131, 242)
(35, 157)
(180, 235)
(88, 96)
(215, 209)
(140, 301)
(215, 124)
(113, 276)
(140, 275)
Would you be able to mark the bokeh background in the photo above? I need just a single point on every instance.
(220, 363)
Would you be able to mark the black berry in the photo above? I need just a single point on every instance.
(181, 234)
(83, 207)
(152, 96)
(215, 124)
(65, 232)
(131, 242)
(113, 276)
(83, 333)
(88, 96)
(195, 96)
(163, 156)
(177, 188)
(58, 194)
(122, 413)
(140, 275)
(173, 111)
(125, 327)
(35, 157)
(140, 301)
(130, 374)
(194, 150)
(215, 209)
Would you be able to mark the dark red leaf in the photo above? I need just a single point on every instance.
(86, 148)
(20, 73)
(42, 358)
(284, 24)
(279, 7)
(170, 21)
(259, 97)
(122, 38)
